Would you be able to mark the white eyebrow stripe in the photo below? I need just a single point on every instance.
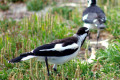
(59, 47)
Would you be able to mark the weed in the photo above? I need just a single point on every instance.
(36, 5)
(109, 59)
(4, 7)
(66, 12)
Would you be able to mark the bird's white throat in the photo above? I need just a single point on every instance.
(80, 38)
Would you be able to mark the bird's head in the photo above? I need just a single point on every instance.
(91, 2)
(82, 31)
(81, 35)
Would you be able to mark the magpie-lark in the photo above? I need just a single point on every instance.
(94, 18)
(57, 52)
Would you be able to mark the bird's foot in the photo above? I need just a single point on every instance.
(97, 47)
(55, 69)
(89, 49)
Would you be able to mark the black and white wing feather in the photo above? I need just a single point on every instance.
(58, 48)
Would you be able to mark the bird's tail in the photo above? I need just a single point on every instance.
(99, 24)
(22, 57)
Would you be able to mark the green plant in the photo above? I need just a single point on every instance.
(106, 2)
(113, 17)
(6, 24)
(4, 7)
(66, 12)
(36, 5)
(53, 2)
(109, 59)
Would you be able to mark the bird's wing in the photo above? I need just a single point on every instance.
(56, 49)
(90, 17)
(101, 17)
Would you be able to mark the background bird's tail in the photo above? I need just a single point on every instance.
(99, 24)
(22, 57)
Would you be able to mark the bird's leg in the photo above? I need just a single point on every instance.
(89, 47)
(55, 67)
(46, 61)
(98, 36)
(89, 35)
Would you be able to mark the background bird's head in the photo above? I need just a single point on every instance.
(91, 2)
(82, 31)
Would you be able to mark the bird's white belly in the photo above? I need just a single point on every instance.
(59, 60)
(90, 26)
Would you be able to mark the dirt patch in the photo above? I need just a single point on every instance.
(103, 36)
(17, 11)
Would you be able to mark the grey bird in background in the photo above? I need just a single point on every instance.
(94, 18)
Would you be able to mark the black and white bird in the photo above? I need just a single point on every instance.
(94, 18)
(57, 52)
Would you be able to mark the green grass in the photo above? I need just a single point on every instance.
(70, 14)
(113, 22)
(36, 5)
(6, 24)
(23, 36)
(66, 12)
(112, 11)
(4, 7)
(109, 59)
